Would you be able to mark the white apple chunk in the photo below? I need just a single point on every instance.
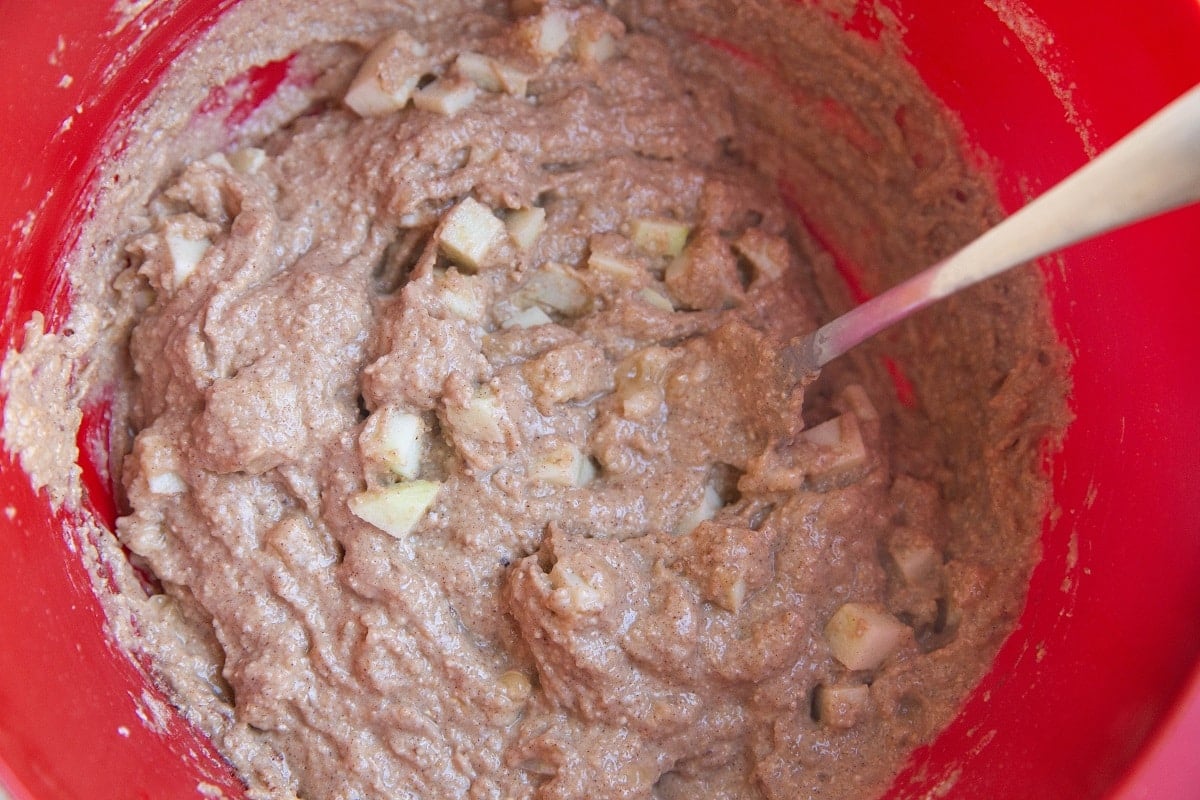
(469, 233)
(619, 269)
(594, 36)
(574, 593)
(660, 237)
(446, 96)
(728, 592)
(394, 440)
(513, 81)
(388, 76)
(529, 318)
(656, 299)
(526, 226)
(478, 68)
(705, 510)
(481, 419)
(841, 707)
(555, 287)
(640, 402)
(827, 434)
(563, 465)
(248, 160)
(596, 49)
(639, 381)
(768, 255)
(165, 483)
(492, 75)
(546, 34)
(839, 449)
(186, 253)
(863, 636)
(395, 509)
(463, 296)
(915, 555)
(160, 464)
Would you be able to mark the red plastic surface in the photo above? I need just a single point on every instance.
(77, 719)
(1098, 693)
(1112, 631)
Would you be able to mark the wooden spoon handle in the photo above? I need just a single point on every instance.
(1153, 169)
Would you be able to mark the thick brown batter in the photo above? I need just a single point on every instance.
(461, 452)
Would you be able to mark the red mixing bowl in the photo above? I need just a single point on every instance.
(1098, 692)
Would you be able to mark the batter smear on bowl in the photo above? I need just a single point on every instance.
(460, 452)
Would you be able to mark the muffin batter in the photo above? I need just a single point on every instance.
(462, 461)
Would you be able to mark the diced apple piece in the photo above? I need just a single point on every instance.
(595, 36)
(186, 254)
(478, 68)
(827, 434)
(395, 509)
(596, 49)
(573, 593)
(660, 237)
(586, 472)
(555, 287)
(491, 75)
(546, 34)
(840, 451)
(656, 299)
(481, 419)
(464, 296)
(248, 160)
(482, 154)
(706, 509)
(464, 306)
(768, 255)
(160, 464)
(841, 707)
(165, 483)
(446, 96)
(529, 318)
(394, 440)
(563, 465)
(619, 269)
(469, 234)
(728, 591)
(862, 636)
(642, 402)
(526, 226)
(640, 383)
(513, 81)
(388, 76)
(915, 555)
